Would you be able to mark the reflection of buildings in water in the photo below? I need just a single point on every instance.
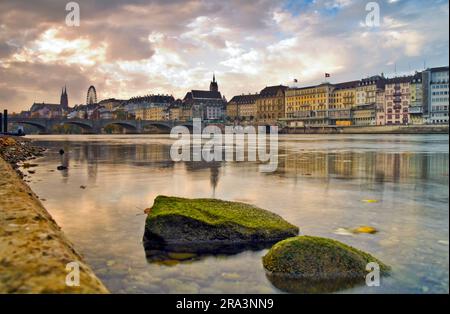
(214, 178)
(92, 157)
(371, 166)
(154, 155)
(214, 168)
(152, 152)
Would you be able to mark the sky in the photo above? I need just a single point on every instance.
(136, 47)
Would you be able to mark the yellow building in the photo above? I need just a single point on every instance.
(242, 107)
(175, 113)
(343, 99)
(186, 113)
(232, 110)
(344, 95)
(310, 104)
(270, 105)
(152, 114)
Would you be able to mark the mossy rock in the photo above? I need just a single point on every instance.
(212, 226)
(318, 264)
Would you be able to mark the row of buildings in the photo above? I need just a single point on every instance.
(421, 98)
(205, 104)
(417, 99)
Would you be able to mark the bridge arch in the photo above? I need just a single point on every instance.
(41, 127)
(126, 125)
(161, 125)
(83, 125)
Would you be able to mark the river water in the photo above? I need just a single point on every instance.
(322, 184)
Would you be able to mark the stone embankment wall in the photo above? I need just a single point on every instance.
(386, 129)
(34, 251)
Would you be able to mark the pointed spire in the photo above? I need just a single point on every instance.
(214, 77)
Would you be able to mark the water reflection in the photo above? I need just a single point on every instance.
(318, 186)
(370, 166)
(298, 285)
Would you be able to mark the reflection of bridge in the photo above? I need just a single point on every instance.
(96, 126)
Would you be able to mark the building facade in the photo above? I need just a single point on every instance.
(270, 105)
(156, 113)
(47, 110)
(205, 104)
(242, 107)
(398, 100)
(370, 97)
(343, 100)
(438, 95)
(149, 107)
(416, 104)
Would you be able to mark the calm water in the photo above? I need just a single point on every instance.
(320, 186)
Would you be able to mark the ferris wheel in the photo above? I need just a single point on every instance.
(91, 97)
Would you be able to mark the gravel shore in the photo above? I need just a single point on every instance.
(15, 150)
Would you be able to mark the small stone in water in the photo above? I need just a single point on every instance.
(365, 229)
(370, 201)
(231, 276)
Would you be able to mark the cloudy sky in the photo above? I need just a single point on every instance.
(137, 47)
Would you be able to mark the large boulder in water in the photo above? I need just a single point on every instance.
(308, 264)
(212, 226)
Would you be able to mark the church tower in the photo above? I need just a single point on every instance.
(64, 102)
(214, 87)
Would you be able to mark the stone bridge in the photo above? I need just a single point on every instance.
(95, 126)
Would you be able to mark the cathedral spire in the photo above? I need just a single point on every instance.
(213, 87)
(64, 101)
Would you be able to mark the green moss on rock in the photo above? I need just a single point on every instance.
(195, 225)
(319, 259)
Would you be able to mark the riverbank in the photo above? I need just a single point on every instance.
(34, 252)
(382, 129)
(18, 149)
